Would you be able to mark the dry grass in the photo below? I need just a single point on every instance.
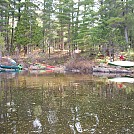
(80, 64)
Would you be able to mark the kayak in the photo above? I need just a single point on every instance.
(40, 67)
(125, 64)
(6, 68)
(37, 67)
(9, 67)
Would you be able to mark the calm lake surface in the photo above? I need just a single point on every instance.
(50, 103)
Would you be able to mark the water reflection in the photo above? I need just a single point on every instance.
(37, 125)
(64, 103)
(75, 125)
(81, 123)
(7, 75)
(52, 118)
(122, 79)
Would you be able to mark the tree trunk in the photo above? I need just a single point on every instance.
(69, 47)
(12, 31)
(7, 33)
(126, 34)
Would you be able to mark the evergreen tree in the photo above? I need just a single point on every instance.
(26, 26)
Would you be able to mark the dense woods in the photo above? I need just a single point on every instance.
(105, 26)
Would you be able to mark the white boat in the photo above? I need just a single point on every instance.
(122, 63)
(122, 79)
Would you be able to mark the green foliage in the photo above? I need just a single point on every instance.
(115, 21)
(68, 22)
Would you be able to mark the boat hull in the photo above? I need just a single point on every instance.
(8, 70)
(126, 64)
(9, 67)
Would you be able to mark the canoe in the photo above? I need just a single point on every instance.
(122, 79)
(9, 67)
(40, 67)
(6, 68)
(37, 67)
(125, 64)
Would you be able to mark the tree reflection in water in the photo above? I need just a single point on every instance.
(64, 104)
(37, 125)
(77, 123)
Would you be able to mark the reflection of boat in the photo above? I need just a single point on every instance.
(121, 83)
(7, 75)
(122, 63)
(122, 79)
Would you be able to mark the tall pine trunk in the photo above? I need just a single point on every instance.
(126, 34)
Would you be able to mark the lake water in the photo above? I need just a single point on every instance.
(53, 103)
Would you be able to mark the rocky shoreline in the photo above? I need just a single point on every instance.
(107, 70)
(91, 67)
(76, 65)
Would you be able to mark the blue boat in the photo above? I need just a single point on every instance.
(5, 68)
(11, 66)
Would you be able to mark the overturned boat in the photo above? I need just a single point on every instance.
(126, 64)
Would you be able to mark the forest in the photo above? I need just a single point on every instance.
(105, 26)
